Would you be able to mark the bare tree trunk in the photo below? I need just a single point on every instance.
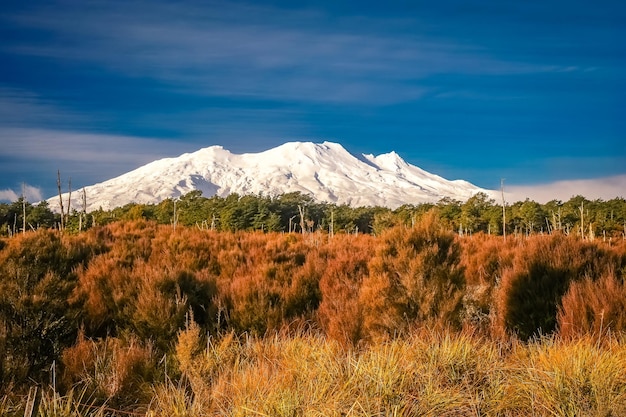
(60, 197)
(175, 216)
(69, 198)
(23, 209)
(302, 225)
(84, 212)
(503, 209)
(582, 220)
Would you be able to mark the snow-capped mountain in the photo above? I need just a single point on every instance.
(325, 171)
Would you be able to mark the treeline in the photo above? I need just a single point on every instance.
(296, 212)
(70, 303)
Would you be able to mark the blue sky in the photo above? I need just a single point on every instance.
(532, 91)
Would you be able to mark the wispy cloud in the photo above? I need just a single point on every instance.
(35, 155)
(21, 107)
(86, 148)
(234, 49)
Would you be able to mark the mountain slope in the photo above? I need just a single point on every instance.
(326, 171)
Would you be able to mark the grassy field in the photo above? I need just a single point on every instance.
(429, 373)
(134, 319)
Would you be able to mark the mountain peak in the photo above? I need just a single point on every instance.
(309, 147)
(325, 171)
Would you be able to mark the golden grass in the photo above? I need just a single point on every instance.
(426, 374)
(571, 378)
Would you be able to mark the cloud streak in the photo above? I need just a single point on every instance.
(37, 154)
(236, 50)
(20, 107)
(87, 148)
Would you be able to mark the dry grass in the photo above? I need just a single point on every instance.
(426, 374)
(570, 378)
(368, 300)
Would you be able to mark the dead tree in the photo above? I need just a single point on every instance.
(23, 209)
(175, 220)
(582, 219)
(65, 214)
(84, 212)
(503, 209)
(69, 198)
(302, 224)
(291, 222)
(60, 198)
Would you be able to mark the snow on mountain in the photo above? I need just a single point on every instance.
(326, 171)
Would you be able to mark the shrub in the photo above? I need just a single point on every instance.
(36, 321)
(484, 258)
(531, 290)
(340, 313)
(593, 307)
(275, 281)
(415, 278)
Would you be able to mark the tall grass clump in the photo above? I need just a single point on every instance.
(555, 377)
(174, 400)
(430, 373)
(72, 404)
(114, 371)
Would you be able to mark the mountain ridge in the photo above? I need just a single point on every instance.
(325, 171)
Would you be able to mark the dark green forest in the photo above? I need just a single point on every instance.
(295, 212)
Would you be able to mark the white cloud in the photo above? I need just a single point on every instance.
(32, 194)
(600, 188)
(8, 195)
